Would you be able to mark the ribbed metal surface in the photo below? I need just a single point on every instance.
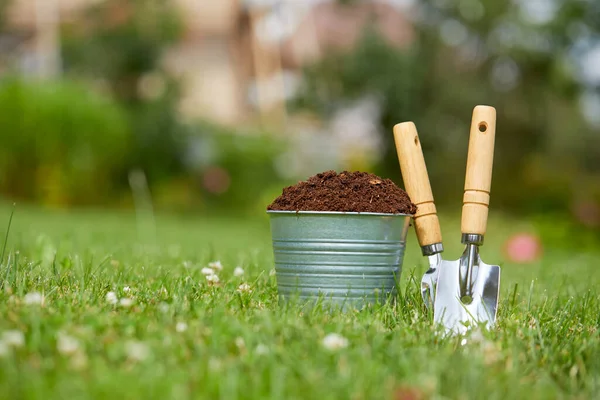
(350, 259)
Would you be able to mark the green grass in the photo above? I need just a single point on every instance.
(244, 345)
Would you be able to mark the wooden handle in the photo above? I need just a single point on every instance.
(478, 180)
(416, 181)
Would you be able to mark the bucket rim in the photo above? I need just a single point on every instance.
(336, 213)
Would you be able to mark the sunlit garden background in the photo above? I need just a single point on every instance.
(141, 141)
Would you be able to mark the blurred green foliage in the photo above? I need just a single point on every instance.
(236, 172)
(118, 42)
(64, 145)
(61, 143)
(118, 45)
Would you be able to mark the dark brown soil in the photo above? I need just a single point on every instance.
(346, 191)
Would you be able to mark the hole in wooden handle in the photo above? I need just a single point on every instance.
(416, 140)
(482, 127)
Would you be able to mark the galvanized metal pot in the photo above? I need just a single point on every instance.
(344, 259)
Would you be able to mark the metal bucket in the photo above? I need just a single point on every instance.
(345, 259)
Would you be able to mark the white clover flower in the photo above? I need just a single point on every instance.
(244, 288)
(33, 298)
(238, 271)
(477, 336)
(127, 289)
(207, 271)
(214, 364)
(137, 351)
(261, 350)
(126, 302)
(240, 343)
(163, 307)
(216, 265)
(111, 298)
(66, 344)
(212, 278)
(181, 327)
(334, 341)
(13, 338)
(416, 316)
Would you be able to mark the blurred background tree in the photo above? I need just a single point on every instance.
(3, 8)
(517, 56)
(118, 45)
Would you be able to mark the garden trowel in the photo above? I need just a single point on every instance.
(427, 225)
(467, 289)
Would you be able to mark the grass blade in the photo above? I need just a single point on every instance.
(7, 233)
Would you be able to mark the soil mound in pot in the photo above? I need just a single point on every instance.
(346, 191)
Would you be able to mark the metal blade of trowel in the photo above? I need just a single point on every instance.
(468, 289)
(460, 315)
(416, 182)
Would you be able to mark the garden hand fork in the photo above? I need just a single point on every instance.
(427, 224)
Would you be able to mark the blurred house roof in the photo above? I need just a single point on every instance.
(212, 17)
(209, 17)
(337, 27)
(307, 30)
(22, 13)
(285, 22)
(232, 47)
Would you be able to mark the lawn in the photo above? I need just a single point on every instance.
(95, 305)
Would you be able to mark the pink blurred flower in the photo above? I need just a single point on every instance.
(523, 248)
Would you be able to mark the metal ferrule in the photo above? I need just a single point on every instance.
(432, 249)
(469, 261)
(472, 238)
